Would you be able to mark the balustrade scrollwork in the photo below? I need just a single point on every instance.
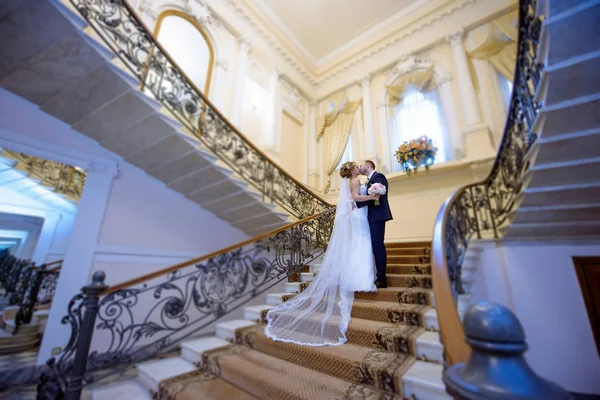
(134, 322)
(484, 207)
(160, 76)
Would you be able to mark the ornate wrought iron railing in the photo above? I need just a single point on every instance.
(485, 207)
(145, 316)
(125, 33)
(38, 291)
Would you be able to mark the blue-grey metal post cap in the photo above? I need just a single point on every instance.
(497, 369)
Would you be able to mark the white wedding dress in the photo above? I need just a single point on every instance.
(319, 316)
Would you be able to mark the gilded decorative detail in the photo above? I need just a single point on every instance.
(63, 178)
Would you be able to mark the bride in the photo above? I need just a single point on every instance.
(319, 316)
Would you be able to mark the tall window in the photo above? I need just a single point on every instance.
(195, 54)
(347, 156)
(506, 86)
(418, 114)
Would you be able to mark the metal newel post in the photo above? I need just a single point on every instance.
(84, 339)
(497, 369)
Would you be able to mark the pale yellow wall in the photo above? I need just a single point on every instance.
(292, 145)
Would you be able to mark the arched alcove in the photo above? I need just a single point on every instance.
(188, 44)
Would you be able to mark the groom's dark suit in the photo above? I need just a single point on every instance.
(378, 216)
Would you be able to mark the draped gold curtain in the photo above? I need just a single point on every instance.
(334, 129)
(423, 80)
(500, 47)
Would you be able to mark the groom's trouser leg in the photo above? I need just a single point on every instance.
(377, 235)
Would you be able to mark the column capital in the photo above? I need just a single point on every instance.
(455, 39)
(365, 80)
(244, 43)
(223, 64)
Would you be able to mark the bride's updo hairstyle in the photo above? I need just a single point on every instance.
(346, 170)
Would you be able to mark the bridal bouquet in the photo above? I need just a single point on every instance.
(415, 153)
(377, 188)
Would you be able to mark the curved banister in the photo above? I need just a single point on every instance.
(130, 39)
(113, 328)
(176, 267)
(484, 207)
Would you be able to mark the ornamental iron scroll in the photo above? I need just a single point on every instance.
(485, 207)
(138, 322)
(127, 36)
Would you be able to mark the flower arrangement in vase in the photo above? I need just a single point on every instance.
(415, 153)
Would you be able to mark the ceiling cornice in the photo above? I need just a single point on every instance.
(377, 39)
(369, 49)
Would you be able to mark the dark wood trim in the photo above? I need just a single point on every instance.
(580, 264)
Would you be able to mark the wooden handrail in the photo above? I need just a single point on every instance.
(216, 110)
(173, 268)
(452, 333)
(54, 263)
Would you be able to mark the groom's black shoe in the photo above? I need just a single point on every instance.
(380, 285)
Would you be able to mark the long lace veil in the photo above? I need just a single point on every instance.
(319, 316)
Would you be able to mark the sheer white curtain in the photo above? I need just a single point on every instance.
(506, 86)
(416, 115)
(347, 156)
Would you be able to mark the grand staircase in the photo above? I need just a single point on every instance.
(393, 349)
(561, 188)
(55, 59)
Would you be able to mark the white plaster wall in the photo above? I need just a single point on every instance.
(139, 213)
(538, 282)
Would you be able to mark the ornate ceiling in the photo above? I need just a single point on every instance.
(320, 27)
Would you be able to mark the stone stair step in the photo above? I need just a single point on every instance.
(577, 43)
(423, 381)
(274, 299)
(394, 312)
(192, 350)
(269, 377)
(226, 330)
(151, 373)
(408, 251)
(396, 245)
(431, 320)
(307, 276)
(201, 385)
(392, 337)
(409, 281)
(31, 328)
(128, 390)
(414, 269)
(398, 295)
(295, 287)
(348, 361)
(8, 339)
(257, 313)
(403, 259)
(429, 347)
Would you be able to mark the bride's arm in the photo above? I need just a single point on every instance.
(354, 189)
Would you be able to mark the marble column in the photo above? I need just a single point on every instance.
(46, 237)
(76, 268)
(219, 86)
(273, 125)
(476, 135)
(369, 151)
(240, 80)
(313, 166)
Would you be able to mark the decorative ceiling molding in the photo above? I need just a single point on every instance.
(272, 41)
(393, 40)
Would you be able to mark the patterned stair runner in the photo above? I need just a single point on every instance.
(381, 347)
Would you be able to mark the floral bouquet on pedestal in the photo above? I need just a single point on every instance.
(416, 153)
(377, 188)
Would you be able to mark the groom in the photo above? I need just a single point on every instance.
(378, 216)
